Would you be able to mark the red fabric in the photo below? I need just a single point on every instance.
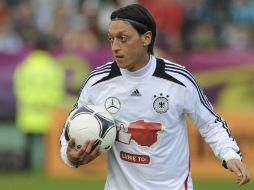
(186, 183)
(186, 180)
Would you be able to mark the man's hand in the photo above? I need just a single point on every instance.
(240, 170)
(84, 155)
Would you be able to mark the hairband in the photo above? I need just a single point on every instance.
(131, 21)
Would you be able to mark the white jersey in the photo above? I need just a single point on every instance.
(150, 108)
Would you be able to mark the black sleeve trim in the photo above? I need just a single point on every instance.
(224, 164)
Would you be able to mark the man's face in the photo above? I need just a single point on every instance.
(128, 45)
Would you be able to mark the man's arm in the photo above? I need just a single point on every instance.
(70, 155)
(215, 131)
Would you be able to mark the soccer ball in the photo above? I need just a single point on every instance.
(91, 122)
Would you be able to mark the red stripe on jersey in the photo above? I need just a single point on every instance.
(186, 183)
(186, 180)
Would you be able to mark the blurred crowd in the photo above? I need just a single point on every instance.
(182, 25)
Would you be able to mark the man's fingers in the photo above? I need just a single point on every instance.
(89, 153)
(240, 170)
(95, 152)
(71, 143)
(245, 178)
(235, 169)
(83, 155)
(86, 148)
(82, 151)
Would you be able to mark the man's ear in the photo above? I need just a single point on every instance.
(147, 38)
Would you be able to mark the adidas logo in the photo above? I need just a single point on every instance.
(135, 93)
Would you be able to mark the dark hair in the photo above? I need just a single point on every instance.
(140, 18)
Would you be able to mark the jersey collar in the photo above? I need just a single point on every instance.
(145, 71)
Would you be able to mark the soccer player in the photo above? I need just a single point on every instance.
(150, 99)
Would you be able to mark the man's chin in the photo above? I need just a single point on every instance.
(121, 65)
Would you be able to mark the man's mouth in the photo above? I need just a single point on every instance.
(119, 56)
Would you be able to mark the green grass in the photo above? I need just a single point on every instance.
(38, 181)
(34, 181)
(220, 185)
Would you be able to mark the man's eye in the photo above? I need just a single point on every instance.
(123, 38)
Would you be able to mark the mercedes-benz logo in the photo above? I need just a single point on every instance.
(112, 104)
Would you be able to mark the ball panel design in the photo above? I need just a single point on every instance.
(91, 123)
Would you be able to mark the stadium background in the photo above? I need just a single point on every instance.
(212, 38)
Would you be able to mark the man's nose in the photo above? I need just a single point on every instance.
(115, 45)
